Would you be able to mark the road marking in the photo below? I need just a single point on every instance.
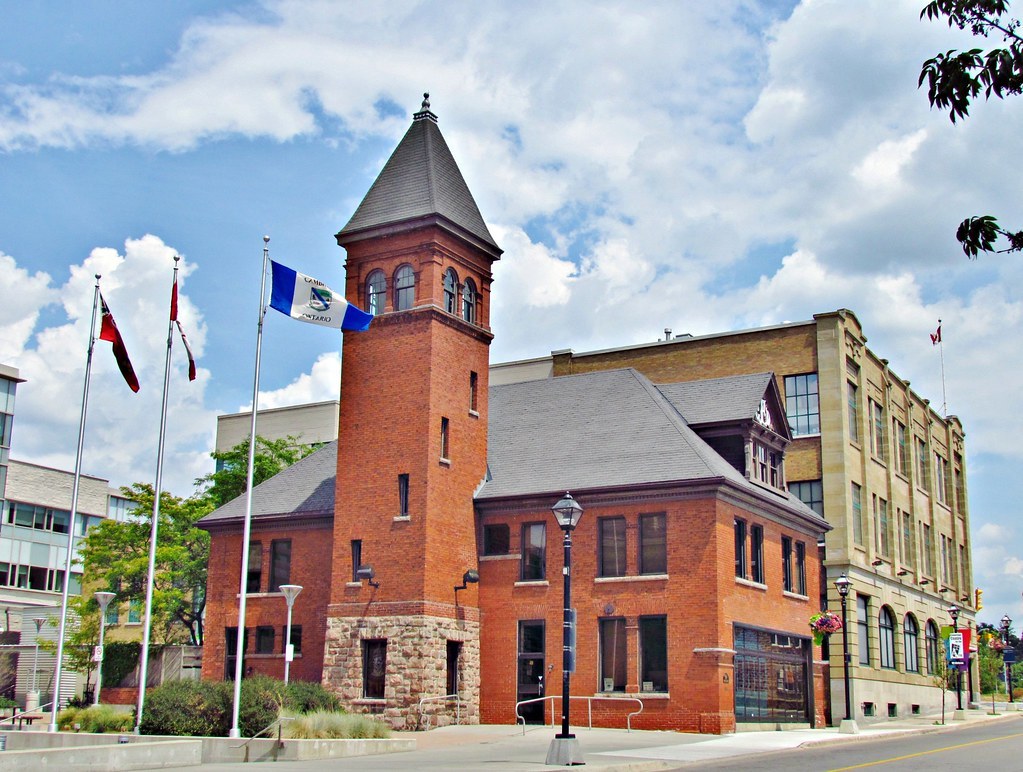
(925, 753)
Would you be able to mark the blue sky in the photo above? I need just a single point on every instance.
(699, 166)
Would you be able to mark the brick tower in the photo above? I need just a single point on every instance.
(412, 440)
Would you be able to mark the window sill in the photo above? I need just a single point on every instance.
(751, 584)
(474, 413)
(353, 584)
(445, 461)
(795, 596)
(637, 578)
(370, 701)
(533, 583)
(652, 695)
(509, 556)
(402, 518)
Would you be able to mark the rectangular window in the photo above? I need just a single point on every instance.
(113, 613)
(853, 402)
(135, 612)
(356, 558)
(531, 670)
(922, 479)
(403, 495)
(877, 441)
(264, 639)
(611, 546)
(653, 546)
(474, 381)
(296, 638)
(740, 549)
(901, 448)
(800, 568)
(444, 450)
(613, 652)
(863, 628)
(908, 545)
(280, 564)
(653, 654)
(374, 668)
(496, 539)
(534, 552)
(756, 553)
(857, 514)
(802, 404)
(964, 573)
(941, 478)
(882, 527)
(786, 563)
(254, 577)
(960, 483)
(946, 560)
(811, 493)
(927, 548)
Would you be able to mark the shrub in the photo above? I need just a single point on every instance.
(98, 719)
(119, 660)
(323, 724)
(306, 697)
(189, 709)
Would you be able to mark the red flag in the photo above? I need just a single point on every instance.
(188, 350)
(108, 331)
(936, 336)
(174, 299)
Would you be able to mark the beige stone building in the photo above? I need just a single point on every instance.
(876, 459)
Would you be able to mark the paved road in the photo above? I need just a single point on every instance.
(994, 745)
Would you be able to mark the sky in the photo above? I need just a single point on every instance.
(699, 166)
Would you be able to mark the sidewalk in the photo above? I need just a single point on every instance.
(609, 750)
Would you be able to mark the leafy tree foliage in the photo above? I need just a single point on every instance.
(116, 556)
(955, 79)
(229, 481)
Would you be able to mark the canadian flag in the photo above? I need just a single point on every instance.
(936, 335)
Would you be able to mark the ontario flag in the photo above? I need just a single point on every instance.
(310, 300)
(181, 332)
(936, 335)
(108, 331)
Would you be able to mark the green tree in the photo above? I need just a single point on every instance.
(81, 640)
(115, 555)
(955, 79)
(228, 482)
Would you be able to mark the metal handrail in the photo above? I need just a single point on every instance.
(443, 698)
(279, 721)
(39, 709)
(589, 708)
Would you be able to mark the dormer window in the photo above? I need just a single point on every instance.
(767, 465)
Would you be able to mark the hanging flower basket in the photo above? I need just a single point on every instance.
(824, 623)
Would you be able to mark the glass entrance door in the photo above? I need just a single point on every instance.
(530, 672)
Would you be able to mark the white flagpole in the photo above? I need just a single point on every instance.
(55, 705)
(239, 645)
(151, 576)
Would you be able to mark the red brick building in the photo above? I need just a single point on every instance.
(694, 572)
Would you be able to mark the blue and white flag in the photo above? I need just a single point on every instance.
(310, 300)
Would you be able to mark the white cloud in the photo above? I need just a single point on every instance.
(322, 383)
(25, 295)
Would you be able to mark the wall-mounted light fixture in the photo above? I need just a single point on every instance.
(876, 563)
(472, 576)
(903, 572)
(366, 573)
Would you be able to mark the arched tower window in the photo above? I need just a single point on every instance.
(450, 291)
(469, 300)
(886, 636)
(932, 647)
(376, 289)
(911, 639)
(404, 288)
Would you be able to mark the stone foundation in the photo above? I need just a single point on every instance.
(416, 667)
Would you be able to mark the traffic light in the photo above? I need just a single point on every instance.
(978, 599)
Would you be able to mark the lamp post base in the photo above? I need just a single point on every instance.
(564, 751)
(958, 714)
(848, 726)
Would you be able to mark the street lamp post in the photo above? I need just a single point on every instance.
(290, 592)
(32, 699)
(953, 611)
(564, 749)
(848, 725)
(1006, 624)
(103, 599)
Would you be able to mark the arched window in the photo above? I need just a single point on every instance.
(932, 647)
(469, 301)
(450, 291)
(886, 637)
(911, 639)
(404, 288)
(376, 289)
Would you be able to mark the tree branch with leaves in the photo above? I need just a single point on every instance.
(955, 79)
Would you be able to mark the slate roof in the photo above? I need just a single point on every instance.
(304, 488)
(600, 430)
(735, 398)
(420, 179)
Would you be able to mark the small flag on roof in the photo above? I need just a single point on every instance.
(310, 300)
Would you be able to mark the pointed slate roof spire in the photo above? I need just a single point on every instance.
(420, 182)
